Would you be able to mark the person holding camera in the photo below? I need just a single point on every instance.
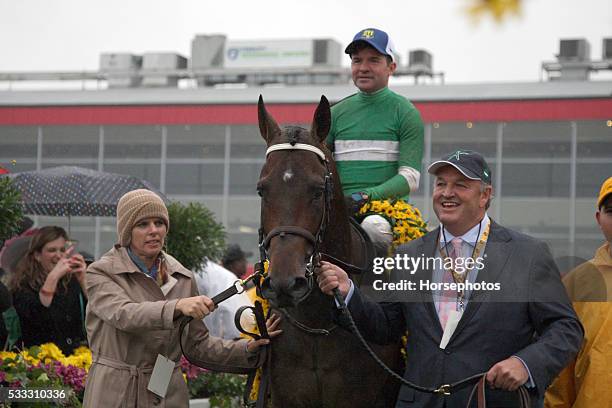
(48, 288)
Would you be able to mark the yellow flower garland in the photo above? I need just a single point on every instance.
(405, 219)
(266, 307)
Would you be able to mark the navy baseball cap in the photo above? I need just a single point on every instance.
(469, 163)
(375, 38)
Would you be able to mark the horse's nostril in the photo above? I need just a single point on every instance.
(299, 288)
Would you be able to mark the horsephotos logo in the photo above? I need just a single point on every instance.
(367, 34)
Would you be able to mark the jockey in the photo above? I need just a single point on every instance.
(376, 134)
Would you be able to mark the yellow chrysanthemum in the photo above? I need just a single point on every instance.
(28, 358)
(7, 355)
(50, 352)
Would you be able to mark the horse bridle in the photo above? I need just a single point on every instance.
(315, 239)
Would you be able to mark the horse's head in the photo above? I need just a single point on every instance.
(295, 189)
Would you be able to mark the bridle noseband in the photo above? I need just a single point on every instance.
(315, 239)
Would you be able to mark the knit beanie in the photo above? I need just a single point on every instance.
(134, 206)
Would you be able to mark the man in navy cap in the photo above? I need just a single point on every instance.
(485, 299)
(376, 134)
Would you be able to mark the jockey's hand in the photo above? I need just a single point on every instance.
(273, 331)
(508, 374)
(330, 276)
(355, 201)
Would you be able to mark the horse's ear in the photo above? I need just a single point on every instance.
(267, 125)
(321, 122)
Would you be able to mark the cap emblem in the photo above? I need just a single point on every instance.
(367, 34)
(457, 155)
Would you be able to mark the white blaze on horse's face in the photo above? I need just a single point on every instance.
(288, 175)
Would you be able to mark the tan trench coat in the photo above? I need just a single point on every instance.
(130, 321)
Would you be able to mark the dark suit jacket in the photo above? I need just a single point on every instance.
(531, 317)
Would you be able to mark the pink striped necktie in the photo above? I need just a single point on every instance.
(449, 297)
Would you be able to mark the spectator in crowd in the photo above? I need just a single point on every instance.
(213, 279)
(524, 340)
(137, 294)
(586, 381)
(6, 302)
(48, 291)
(235, 260)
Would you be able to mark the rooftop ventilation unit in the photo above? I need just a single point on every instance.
(420, 62)
(207, 51)
(326, 52)
(164, 62)
(606, 49)
(121, 69)
(574, 50)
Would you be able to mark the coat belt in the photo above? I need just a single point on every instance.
(137, 387)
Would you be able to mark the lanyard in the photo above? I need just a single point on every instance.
(461, 277)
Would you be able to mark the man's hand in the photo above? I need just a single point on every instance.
(271, 325)
(196, 306)
(508, 374)
(330, 276)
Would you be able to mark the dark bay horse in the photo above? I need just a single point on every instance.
(314, 362)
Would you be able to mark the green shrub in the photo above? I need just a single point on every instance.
(11, 212)
(195, 236)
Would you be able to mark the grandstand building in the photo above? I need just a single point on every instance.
(549, 143)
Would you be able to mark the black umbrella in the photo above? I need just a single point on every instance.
(74, 191)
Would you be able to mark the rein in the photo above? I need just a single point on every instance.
(445, 389)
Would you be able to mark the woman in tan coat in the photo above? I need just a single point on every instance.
(137, 297)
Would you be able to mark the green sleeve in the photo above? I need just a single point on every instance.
(410, 154)
(395, 187)
(411, 139)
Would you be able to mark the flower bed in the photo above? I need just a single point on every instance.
(46, 366)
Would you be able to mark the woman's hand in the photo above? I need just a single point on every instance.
(78, 266)
(271, 325)
(197, 306)
(61, 268)
(47, 291)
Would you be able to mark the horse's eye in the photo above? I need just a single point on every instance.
(259, 192)
(318, 193)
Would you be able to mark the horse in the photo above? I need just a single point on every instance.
(315, 362)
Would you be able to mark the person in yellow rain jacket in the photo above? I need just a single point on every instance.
(585, 382)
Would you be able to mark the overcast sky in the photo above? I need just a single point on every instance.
(67, 35)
